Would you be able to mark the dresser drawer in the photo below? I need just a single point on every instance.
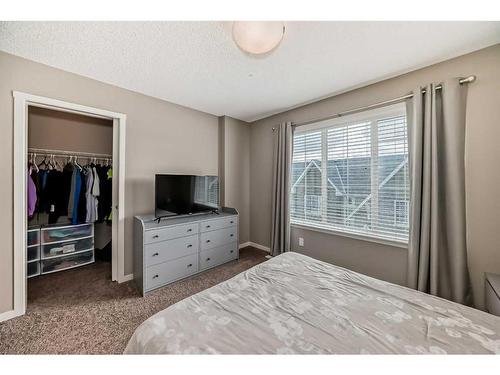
(226, 222)
(33, 237)
(209, 240)
(164, 273)
(160, 252)
(67, 262)
(67, 233)
(158, 235)
(213, 257)
(66, 248)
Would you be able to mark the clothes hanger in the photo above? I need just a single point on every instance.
(44, 162)
(78, 165)
(58, 165)
(33, 162)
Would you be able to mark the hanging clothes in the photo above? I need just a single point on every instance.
(71, 191)
(76, 196)
(91, 201)
(96, 185)
(105, 197)
(71, 197)
(55, 195)
(32, 196)
(109, 195)
(36, 180)
(43, 205)
(66, 188)
(82, 201)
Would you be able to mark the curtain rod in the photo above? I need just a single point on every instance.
(380, 104)
(68, 153)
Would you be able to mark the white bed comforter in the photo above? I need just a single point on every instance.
(296, 304)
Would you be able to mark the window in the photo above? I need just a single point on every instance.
(206, 191)
(313, 205)
(350, 174)
(401, 210)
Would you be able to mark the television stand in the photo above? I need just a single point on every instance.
(174, 248)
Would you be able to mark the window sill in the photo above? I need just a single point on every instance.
(354, 235)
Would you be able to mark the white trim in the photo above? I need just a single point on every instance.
(356, 236)
(20, 222)
(244, 244)
(128, 277)
(8, 315)
(21, 103)
(258, 246)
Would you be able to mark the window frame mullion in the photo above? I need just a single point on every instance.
(324, 175)
(374, 210)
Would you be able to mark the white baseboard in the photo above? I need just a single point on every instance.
(126, 278)
(9, 315)
(244, 244)
(256, 245)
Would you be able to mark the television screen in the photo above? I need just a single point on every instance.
(185, 194)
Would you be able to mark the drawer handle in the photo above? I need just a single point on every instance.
(231, 235)
(155, 276)
(155, 236)
(190, 265)
(208, 241)
(155, 254)
(189, 245)
(208, 259)
(190, 230)
(208, 226)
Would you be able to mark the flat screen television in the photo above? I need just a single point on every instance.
(177, 194)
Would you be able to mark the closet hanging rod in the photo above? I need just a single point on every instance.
(462, 81)
(69, 153)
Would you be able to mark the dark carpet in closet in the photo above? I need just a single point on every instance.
(82, 312)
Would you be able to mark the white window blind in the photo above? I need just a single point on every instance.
(357, 167)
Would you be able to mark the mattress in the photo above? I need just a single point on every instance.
(295, 304)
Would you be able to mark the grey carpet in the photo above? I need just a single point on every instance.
(82, 311)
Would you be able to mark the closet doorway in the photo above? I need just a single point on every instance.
(112, 141)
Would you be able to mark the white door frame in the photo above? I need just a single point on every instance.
(21, 103)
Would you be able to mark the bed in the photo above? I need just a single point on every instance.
(295, 304)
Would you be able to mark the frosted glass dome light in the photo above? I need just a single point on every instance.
(258, 37)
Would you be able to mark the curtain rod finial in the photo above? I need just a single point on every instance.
(468, 79)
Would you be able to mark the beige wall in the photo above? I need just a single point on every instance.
(235, 158)
(160, 137)
(482, 160)
(360, 256)
(55, 130)
(164, 137)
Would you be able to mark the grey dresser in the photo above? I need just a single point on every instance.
(175, 248)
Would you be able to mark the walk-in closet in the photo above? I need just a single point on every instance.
(69, 200)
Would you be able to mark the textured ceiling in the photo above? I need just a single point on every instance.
(196, 64)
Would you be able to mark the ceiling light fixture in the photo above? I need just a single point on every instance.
(258, 37)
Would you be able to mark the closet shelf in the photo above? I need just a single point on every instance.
(44, 151)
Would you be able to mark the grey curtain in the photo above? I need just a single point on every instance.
(282, 164)
(437, 258)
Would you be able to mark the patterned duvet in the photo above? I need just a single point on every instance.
(296, 304)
